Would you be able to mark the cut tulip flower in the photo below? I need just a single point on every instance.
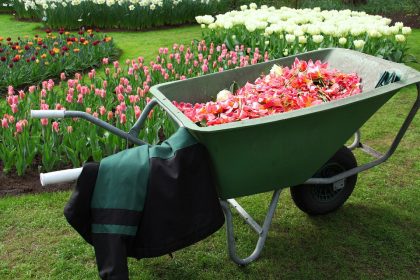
(284, 89)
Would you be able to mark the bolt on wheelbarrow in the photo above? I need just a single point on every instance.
(304, 148)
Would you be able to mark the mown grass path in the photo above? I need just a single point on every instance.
(374, 236)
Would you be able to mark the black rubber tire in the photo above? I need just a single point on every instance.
(323, 199)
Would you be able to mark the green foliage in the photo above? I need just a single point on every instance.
(29, 60)
(122, 15)
(374, 235)
(372, 6)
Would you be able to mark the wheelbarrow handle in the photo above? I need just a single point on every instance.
(62, 176)
(135, 130)
(88, 117)
(40, 114)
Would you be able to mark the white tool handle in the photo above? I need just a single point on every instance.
(63, 176)
(39, 114)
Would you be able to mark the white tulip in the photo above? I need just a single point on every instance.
(359, 44)
(400, 38)
(277, 70)
(406, 30)
(318, 38)
(223, 95)
(302, 40)
(394, 29)
(342, 41)
(399, 24)
(290, 38)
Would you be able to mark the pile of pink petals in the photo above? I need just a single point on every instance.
(284, 89)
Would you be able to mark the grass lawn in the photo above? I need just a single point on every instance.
(374, 236)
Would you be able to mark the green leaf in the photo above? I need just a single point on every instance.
(234, 87)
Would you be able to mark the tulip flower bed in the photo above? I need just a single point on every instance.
(117, 96)
(284, 89)
(124, 14)
(289, 31)
(30, 60)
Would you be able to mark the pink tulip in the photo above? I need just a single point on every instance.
(80, 98)
(84, 90)
(105, 60)
(123, 107)
(44, 122)
(71, 83)
(21, 94)
(19, 127)
(4, 123)
(205, 68)
(133, 98)
(110, 115)
(88, 110)
(102, 110)
(10, 90)
(62, 76)
(116, 64)
(123, 118)
(32, 89)
(69, 98)
(140, 92)
(55, 127)
(137, 111)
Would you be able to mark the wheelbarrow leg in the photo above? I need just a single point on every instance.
(356, 142)
(262, 231)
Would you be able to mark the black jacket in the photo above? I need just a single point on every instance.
(145, 202)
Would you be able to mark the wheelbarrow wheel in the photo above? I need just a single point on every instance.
(318, 199)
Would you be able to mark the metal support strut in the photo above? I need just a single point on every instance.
(379, 157)
(262, 231)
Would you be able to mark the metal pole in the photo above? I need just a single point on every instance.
(262, 235)
(383, 158)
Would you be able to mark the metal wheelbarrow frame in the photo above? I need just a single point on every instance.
(409, 77)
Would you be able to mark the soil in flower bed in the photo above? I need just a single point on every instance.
(12, 184)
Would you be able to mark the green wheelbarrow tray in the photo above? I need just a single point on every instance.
(282, 150)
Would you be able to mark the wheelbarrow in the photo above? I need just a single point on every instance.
(303, 148)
